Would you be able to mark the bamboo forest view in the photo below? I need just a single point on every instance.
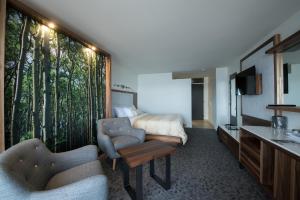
(54, 86)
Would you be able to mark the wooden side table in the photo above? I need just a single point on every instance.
(136, 156)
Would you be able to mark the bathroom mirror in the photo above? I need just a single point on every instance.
(291, 77)
(233, 100)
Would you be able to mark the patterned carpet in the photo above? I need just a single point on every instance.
(202, 169)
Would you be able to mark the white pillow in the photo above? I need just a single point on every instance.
(133, 111)
(124, 112)
(119, 111)
(128, 112)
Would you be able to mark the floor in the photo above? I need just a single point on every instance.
(201, 124)
(202, 169)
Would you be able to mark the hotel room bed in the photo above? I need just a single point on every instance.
(168, 127)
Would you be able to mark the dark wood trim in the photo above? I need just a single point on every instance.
(258, 48)
(275, 40)
(290, 43)
(284, 108)
(108, 100)
(58, 26)
(259, 87)
(254, 121)
(2, 68)
(278, 74)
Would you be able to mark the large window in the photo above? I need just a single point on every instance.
(54, 86)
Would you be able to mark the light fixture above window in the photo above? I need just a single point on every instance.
(51, 25)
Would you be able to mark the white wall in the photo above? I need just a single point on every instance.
(205, 98)
(255, 105)
(159, 94)
(222, 96)
(212, 98)
(124, 76)
(287, 28)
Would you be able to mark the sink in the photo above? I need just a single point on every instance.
(294, 136)
(289, 137)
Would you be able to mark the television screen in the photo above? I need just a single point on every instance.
(286, 70)
(246, 82)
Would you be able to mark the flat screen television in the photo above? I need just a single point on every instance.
(246, 82)
(286, 71)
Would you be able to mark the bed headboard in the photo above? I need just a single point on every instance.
(123, 98)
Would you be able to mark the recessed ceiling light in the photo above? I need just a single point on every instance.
(51, 25)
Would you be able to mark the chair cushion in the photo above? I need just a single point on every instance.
(123, 141)
(75, 174)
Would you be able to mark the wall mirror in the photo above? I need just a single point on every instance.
(291, 77)
(233, 100)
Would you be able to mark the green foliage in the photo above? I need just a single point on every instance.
(26, 136)
(81, 85)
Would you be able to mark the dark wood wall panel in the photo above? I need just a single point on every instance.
(253, 121)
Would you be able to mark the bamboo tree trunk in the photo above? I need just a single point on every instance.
(35, 87)
(47, 89)
(70, 113)
(91, 102)
(15, 121)
(29, 109)
(88, 110)
(56, 110)
(102, 88)
(97, 105)
(69, 116)
(98, 87)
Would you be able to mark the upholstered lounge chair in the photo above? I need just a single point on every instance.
(30, 171)
(116, 133)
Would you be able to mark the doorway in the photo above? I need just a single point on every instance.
(199, 107)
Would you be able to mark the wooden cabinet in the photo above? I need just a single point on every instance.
(275, 168)
(286, 177)
(267, 165)
(229, 140)
(250, 152)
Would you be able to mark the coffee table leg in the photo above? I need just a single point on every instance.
(137, 193)
(167, 183)
(125, 175)
(168, 171)
(152, 171)
(139, 182)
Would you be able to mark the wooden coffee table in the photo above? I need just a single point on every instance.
(138, 155)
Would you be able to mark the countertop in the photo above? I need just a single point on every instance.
(235, 134)
(279, 138)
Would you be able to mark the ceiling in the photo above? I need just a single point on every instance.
(170, 35)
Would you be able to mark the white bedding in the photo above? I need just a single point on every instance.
(169, 125)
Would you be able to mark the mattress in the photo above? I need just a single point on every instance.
(167, 125)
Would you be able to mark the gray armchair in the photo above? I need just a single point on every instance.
(30, 171)
(116, 133)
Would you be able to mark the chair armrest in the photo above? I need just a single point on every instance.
(92, 188)
(69, 159)
(137, 132)
(107, 146)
